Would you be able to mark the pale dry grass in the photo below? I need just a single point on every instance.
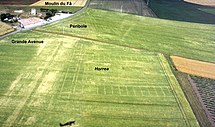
(78, 3)
(194, 67)
(5, 28)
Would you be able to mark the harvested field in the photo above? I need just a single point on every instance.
(202, 2)
(79, 3)
(17, 2)
(137, 7)
(194, 67)
(5, 28)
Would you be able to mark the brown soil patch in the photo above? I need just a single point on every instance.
(195, 67)
(17, 2)
(202, 2)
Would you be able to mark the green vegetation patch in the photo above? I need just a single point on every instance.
(14, 57)
(170, 37)
(183, 11)
(56, 81)
(208, 10)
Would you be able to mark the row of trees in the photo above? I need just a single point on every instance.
(50, 12)
(7, 17)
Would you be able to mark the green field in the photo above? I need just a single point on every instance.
(45, 84)
(190, 40)
(56, 81)
(183, 11)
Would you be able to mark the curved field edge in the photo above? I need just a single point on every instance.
(44, 82)
(190, 40)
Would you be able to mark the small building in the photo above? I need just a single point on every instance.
(33, 11)
(18, 11)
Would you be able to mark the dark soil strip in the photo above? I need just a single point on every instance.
(200, 99)
(96, 40)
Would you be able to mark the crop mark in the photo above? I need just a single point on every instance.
(172, 89)
(163, 92)
(28, 91)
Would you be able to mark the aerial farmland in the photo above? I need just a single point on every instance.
(108, 64)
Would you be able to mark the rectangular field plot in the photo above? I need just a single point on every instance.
(60, 83)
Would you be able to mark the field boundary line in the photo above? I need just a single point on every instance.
(141, 91)
(163, 92)
(95, 40)
(119, 89)
(67, 71)
(105, 90)
(172, 89)
(78, 68)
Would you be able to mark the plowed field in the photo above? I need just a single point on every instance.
(194, 67)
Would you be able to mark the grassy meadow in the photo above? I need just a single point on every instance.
(191, 40)
(56, 81)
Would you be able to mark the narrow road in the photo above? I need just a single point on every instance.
(11, 33)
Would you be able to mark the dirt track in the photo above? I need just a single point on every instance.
(199, 68)
(202, 2)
